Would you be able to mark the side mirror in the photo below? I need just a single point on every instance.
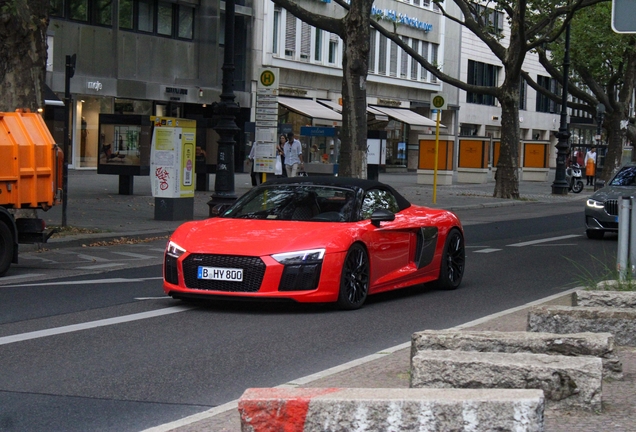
(218, 209)
(381, 215)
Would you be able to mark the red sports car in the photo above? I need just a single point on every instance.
(315, 239)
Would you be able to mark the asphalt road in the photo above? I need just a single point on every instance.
(104, 350)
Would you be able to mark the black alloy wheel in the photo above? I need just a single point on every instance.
(453, 261)
(354, 281)
(6, 248)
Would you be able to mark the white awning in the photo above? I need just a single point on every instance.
(412, 118)
(337, 107)
(310, 108)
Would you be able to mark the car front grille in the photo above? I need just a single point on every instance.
(301, 277)
(253, 272)
(611, 207)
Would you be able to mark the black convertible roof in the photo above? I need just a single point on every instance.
(345, 182)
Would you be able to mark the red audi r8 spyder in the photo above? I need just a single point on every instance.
(315, 239)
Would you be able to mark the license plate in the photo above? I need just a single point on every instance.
(219, 273)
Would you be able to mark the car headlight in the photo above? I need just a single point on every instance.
(595, 204)
(174, 250)
(300, 257)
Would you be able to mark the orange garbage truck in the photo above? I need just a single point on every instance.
(31, 173)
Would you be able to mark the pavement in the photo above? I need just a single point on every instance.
(94, 204)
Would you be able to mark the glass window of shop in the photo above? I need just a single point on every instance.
(86, 124)
(396, 133)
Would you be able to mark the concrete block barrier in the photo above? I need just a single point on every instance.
(576, 344)
(567, 382)
(612, 299)
(620, 322)
(357, 409)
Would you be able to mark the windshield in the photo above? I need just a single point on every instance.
(625, 177)
(295, 202)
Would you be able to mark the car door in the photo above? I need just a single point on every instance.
(389, 244)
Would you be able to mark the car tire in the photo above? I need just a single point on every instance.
(595, 234)
(354, 280)
(577, 186)
(6, 248)
(453, 262)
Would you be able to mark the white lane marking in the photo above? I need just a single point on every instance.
(91, 325)
(90, 281)
(152, 298)
(488, 250)
(545, 240)
(232, 405)
(22, 276)
(92, 258)
(100, 266)
(135, 255)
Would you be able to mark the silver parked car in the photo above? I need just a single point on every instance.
(601, 209)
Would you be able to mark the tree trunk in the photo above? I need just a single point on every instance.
(507, 176)
(355, 66)
(615, 135)
(23, 26)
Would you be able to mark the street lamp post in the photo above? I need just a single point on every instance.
(560, 186)
(226, 112)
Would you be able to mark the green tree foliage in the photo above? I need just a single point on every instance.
(604, 71)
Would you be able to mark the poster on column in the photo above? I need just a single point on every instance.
(172, 154)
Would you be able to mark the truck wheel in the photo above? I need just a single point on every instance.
(6, 248)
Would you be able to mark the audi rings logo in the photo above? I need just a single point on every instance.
(94, 85)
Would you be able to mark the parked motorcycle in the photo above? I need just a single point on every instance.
(573, 176)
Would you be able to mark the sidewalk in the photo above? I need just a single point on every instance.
(94, 202)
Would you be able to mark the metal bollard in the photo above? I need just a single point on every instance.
(624, 219)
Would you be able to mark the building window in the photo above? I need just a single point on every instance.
(78, 10)
(481, 74)
(372, 45)
(382, 55)
(185, 24)
(544, 103)
(305, 41)
(275, 38)
(523, 86)
(146, 16)
(164, 19)
(491, 18)
(126, 14)
(415, 44)
(318, 45)
(290, 34)
(333, 48)
(424, 53)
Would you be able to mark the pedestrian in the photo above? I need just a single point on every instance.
(293, 155)
(280, 151)
(590, 166)
(253, 175)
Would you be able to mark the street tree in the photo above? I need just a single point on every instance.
(532, 23)
(354, 30)
(23, 52)
(604, 71)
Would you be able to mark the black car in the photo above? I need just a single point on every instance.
(601, 209)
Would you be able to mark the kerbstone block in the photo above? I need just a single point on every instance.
(567, 382)
(611, 299)
(404, 410)
(577, 344)
(620, 322)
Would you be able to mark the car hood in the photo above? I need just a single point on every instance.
(262, 237)
(613, 192)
